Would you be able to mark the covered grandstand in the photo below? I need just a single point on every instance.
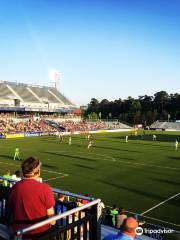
(25, 97)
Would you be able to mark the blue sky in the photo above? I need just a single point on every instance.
(105, 48)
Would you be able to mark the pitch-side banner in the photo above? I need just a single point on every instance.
(16, 135)
(33, 134)
(2, 136)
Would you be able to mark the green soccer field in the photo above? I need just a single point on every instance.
(136, 175)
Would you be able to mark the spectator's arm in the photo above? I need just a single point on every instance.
(50, 213)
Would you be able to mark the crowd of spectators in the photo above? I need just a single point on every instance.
(11, 126)
(39, 125)
(72, 126)
(32, 116)
(30, 123)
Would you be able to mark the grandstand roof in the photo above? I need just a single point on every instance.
(27, 93)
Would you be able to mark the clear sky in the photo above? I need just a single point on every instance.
(105, 48)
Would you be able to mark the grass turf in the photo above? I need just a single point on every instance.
(137, 175)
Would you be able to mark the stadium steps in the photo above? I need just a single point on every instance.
(23, 92)
(5, 92)
(54, 125)
(43, 93)
(61, 97)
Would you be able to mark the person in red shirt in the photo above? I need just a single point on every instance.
(30, 201)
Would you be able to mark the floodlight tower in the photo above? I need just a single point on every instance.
(55, 77)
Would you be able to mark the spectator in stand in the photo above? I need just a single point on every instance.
(85, 201)
(128, 230)
(79, 202)
(114, 212)
(108, 218)
(7, 176)
(120, 217)
(16, 176)
(60, 208)
(29, 200)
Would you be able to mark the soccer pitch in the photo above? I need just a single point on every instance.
(142, 175)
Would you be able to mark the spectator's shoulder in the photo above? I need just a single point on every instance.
(46, 186)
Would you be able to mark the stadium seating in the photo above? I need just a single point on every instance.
(165, 125)
(43, 125)
(44, 94)
(5, 92)
(60, 96)
(115, 125)
(23, 92)
(33, 95)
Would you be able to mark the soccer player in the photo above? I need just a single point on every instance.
(16, 153)
(70, 140)
(154, 137)
(90, 141)
(126, 138)
(176, 144)
(61, 136)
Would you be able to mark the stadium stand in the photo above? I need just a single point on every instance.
(174, 126)
(24, 95)
(115, 125)
(12, 125)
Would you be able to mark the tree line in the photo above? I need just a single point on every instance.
(143, 110)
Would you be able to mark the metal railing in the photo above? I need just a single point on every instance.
(83, 222)
(95, 233)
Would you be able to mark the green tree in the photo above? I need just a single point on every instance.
(93, 106)
(93, 116)
(160, 99)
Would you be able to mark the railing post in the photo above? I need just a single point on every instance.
(99, 216)
(95, 226)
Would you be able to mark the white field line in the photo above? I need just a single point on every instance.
(64, 174)
(157, 205)
(94, 154)
(148, 165)
(50, 179)
(10, 164)
(170, 223)
(121, 161)
(17, 165)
